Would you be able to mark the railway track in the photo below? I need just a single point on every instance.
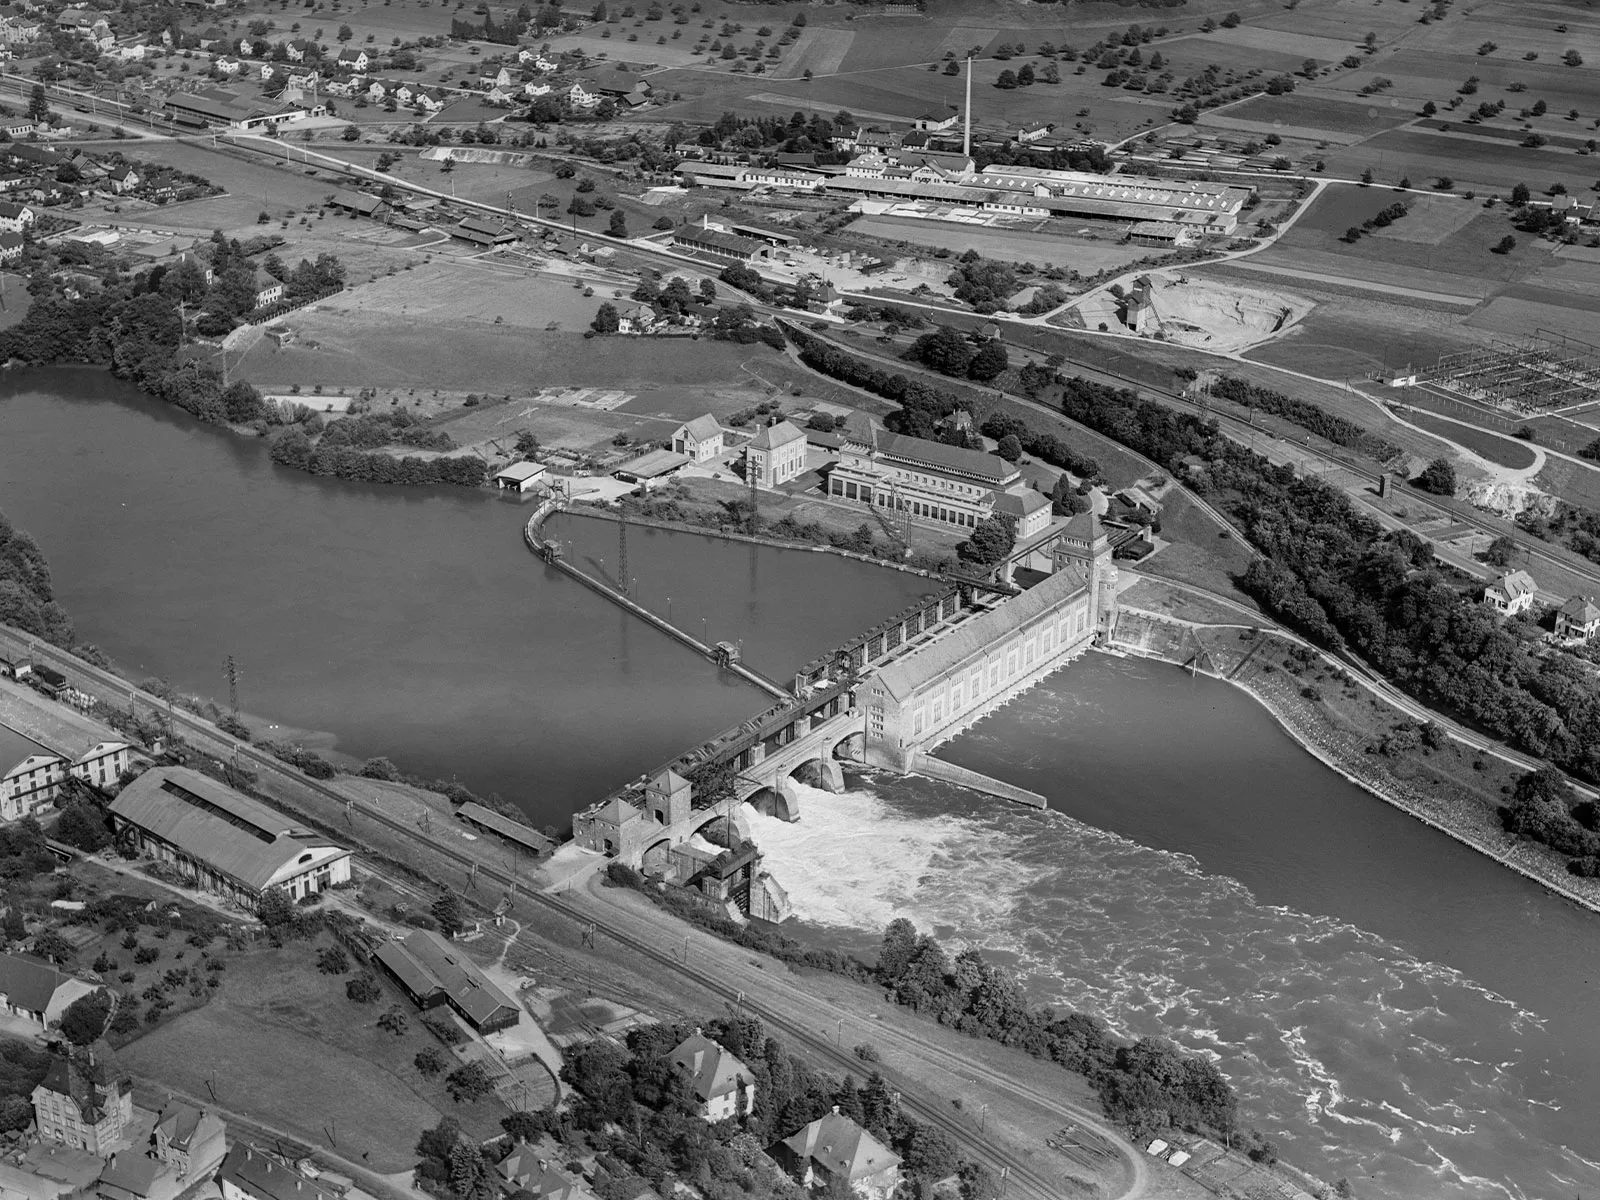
(96, 679)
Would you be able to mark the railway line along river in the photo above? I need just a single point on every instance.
(1393, 1008)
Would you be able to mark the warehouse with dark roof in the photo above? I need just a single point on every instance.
(223, 840)
(434, 972)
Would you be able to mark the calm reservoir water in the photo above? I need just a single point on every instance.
(411, 623)
(1392, 1007)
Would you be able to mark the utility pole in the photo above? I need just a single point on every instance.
(622, 552)
(231, 670)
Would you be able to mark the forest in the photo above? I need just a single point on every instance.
(26, 600)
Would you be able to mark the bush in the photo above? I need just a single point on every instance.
(332, 960)
(363, 989)
(430, 1060)
(469, 1082)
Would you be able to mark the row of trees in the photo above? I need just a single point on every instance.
(922, 408)
(1311, 417)
(293, 448)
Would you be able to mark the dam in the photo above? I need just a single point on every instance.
(886, 698)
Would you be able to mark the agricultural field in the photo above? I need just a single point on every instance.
(1486, 165)
(282, 1044)
(1511, 319)
(1308, 114)
(1421, 75)
(1344, 338)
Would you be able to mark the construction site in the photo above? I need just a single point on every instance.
(1546, 372)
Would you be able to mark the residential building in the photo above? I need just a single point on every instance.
(268, 289)
(11, 245)
(192, 1140)
(833, 1151)
(1578, 620)
(225, 842)
(228, 65)
(699, 439)
(580, 97)
(720, 1082)
(102, 763)
(493, 77)
(14, 218)
(1511, 594)
(352, 60)
(776, 455)
(526, 1169)
(32, 783)
(122, 179)
(128, 1177)
(32, 990)
(248, 1174)
(84, 1102)
(433, 971)
(927, 479)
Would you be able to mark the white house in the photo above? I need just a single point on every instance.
(777, 454)
(579, 97)
(102, 763)
(1511, 594)
(11, 245)
(720, 1082)
(268, 289)
(535, 88)
(123, 179)
(34, 781)
(352, 60)
(228, 66)
(1578, 620)
(14, 218)
(700, 438)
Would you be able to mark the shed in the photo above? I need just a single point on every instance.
(516, 832)
(519, 477)
(657, 464)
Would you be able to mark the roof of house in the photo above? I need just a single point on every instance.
(1582, 609)
(89, 1082)
(842, 1148)
(17, 1184)
(28, 983)
(518, 472)
(940, 112)
(526, 1169)
(11, 209)
(233, 834)
(1020, 504)
(977, 634)
(617, 811)
(703, 428)
(361, 202)
(954, 460)
(427, 962)
(255, 1174)
(32, 763)
(1513, 584)
(130, 1174)
(774, 436)
(718, 240)
(710, 1070)
(183, 1122)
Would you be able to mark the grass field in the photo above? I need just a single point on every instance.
(1308, 110)
(818, 50)
(1366, 336)
(1431, 219)
(1496, 449)
(1516, 318)
(1487, 166)
(282, 1044)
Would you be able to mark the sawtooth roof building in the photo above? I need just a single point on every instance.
(227, 842)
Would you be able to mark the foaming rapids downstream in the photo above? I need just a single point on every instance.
(1360, 1056)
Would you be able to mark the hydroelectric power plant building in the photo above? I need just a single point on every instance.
(885, 698)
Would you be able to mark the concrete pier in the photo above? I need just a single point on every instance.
(946, 772)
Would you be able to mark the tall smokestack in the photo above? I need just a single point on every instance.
(966, 116)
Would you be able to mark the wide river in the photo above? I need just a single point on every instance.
(1392, 1007)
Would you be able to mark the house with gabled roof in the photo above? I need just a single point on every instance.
(700, 438)
(776, 455)
(721, 1083)
(34, 782)
(1511, 594)
(191, 1140)
(250, 1174)
(352, 60)
(102, 763)
(1578, 620)
(527, 1169)
(833, 1151)
(33, 991)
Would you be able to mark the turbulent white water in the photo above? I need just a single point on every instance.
(1364, 1061)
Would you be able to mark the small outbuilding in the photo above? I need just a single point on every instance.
(433, 971)
(520, 477)
(651, 468)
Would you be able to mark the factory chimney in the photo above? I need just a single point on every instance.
(966, 116)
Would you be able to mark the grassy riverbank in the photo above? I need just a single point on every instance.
(1420, 769)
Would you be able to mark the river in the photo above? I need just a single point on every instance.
(1393, 1008)
(411, 623)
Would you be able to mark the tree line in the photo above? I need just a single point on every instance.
(1311, 417)
(27, 600)
(1339, 579)
(922, 407)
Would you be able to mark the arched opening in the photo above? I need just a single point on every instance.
(654, 862)
(777, 802)
(851, 748)
(821, 773)
(720, 831)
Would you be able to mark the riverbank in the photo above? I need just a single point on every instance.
(1449, 786)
